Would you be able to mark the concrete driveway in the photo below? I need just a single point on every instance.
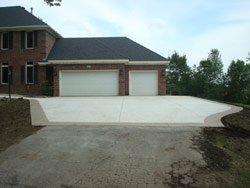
(128, 110)
(108, 156)
(112, 156)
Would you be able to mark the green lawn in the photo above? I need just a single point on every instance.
(243, 105)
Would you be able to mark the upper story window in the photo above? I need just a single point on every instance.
(4, 73)
(29, 39)
(5, 40)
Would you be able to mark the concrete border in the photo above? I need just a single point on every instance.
(38, 118)
(215, 119)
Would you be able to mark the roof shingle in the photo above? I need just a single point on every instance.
(101, 48)
(17, 16)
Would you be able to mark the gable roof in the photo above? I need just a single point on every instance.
(103, 48)
(18, 16)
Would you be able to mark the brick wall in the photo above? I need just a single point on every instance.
(49, 42)
(123, 78)
(18, 57)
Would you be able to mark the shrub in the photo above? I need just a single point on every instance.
(47, 88)
(246, 95)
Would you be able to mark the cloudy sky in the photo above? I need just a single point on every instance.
(190, 27)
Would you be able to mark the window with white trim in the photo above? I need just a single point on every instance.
(29, 39)
(29, 73)
(4, 73)
(5, 40)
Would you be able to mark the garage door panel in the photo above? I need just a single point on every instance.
(143, 83)
(89, 83)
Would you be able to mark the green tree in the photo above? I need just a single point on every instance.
(215, 70)
(209, 76)
(178, 75)
(246, 94)
(248, 58)
(238, 81)
(53, 2)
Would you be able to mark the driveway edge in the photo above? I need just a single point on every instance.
(39, 118)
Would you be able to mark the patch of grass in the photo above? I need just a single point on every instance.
(245, 178)
(243, 105)
(240, 163)
(219, 140)
(241, 169)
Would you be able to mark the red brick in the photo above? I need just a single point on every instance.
(17, 57)
(123, 79)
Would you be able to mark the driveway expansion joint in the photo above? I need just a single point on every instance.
(129, 111)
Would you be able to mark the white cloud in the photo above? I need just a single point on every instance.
(130, 22)
(232, 41)
(159, 25)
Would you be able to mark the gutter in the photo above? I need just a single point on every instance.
(148, 62)
(30, 28)
(102, 61)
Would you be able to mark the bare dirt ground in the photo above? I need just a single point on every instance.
(15, 122)
(227, 153)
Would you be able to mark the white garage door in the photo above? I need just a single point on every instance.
(89, 83)
(143, 83)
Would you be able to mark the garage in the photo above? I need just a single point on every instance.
(143, 83)
(89, 83)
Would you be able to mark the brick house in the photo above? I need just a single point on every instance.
(107, 66)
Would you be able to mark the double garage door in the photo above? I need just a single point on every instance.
(106, 83)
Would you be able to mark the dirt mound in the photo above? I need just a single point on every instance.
(238, 123)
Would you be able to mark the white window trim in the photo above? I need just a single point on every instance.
(2, 66)
(26, 73)
(26, 39)
(2, 41)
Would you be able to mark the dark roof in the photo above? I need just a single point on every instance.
(18, 16)
(101, 48)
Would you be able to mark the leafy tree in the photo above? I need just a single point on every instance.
(53, 2)
(248, 58)
(216, 66)
(246, 94)
(208, 80)
(237, 81)
(177, 75)
(209, 76)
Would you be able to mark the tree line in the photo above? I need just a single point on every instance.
(207, 80)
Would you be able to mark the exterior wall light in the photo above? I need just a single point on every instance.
(163, 73)
(121, 72)
(54, 73)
